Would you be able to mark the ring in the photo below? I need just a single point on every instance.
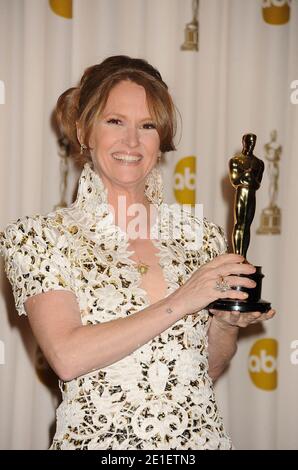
(222, 285)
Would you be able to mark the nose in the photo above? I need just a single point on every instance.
(131, 136)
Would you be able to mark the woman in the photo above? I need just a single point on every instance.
(122, 318)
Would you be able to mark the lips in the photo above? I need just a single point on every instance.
(127, 158)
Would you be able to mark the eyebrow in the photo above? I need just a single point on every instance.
(148, 118)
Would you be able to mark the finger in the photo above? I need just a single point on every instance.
(240, 281)
(235, 318)
(264, 316)
(226, 257)
(256, 321)
(242, 319)
(232, 294)
(225, 316)
(250, 318)
(270, 314)
(238, 319)
(255, 317)
(246, 319)
(258, 317)
(240, 268)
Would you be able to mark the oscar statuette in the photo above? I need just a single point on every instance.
(246, 171)
(271, 215)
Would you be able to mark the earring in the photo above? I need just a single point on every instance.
(83, 147)
(158, 156)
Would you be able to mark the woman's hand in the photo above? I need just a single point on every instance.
(226, 319)
(202, 287)
(222, 336)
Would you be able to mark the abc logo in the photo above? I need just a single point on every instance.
(185, 181)
(62, 7)
(262, 364)
(276, 11)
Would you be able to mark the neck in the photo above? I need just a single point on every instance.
(131, 208)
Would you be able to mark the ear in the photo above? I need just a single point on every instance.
(79, 133)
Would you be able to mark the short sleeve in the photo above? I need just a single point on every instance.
(35, 258)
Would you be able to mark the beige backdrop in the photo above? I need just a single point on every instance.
(239, 81)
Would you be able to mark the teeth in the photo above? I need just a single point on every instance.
(126, 158)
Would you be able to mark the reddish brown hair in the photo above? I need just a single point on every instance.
(84, 104)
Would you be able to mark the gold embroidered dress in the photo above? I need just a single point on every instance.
(158, 397)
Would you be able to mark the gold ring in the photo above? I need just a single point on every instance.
(221, 284)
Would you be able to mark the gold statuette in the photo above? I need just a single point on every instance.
(271, 215)
(191, 32)
(246, 171)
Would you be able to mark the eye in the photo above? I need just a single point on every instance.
(114, 121)
(149, 125)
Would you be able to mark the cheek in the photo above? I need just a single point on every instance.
(152, 143)
(102, 139)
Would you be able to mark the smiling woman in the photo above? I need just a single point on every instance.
(135, 349)
(84, 104)
(125, 143)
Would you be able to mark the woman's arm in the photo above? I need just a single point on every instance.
(222, 345)
(73, 349)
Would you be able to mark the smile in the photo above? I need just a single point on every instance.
(121, 157)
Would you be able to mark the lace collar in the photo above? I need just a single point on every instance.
(92, 194)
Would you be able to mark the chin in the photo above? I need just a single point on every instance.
(128, 174)
(129, 179)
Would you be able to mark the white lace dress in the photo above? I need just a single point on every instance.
(158, 397)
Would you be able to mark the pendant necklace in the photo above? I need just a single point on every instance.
(142, 267)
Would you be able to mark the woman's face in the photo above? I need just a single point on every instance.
(125, 142)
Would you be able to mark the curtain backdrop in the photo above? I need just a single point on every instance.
(238, 82)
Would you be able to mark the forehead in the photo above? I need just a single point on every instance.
(127, 95)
